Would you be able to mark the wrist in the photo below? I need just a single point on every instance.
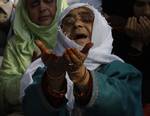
(55, 82)
(83, 93)
(80, 76)
(56, 97)
(55, 74)
(84, 79)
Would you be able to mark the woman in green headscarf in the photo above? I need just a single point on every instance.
(35, 19)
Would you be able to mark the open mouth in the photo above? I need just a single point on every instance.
(43, 18)
(80, 36)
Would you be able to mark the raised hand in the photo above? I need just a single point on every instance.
(133, 30)
(145, 29)
(75, 58)
(55, 64)
(45, 52)
(139, 31)
(75, 67)
(86, 48)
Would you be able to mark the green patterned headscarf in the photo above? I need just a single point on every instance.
(20, 48)
(25, 30)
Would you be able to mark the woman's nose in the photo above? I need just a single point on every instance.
(78, 23)
(42, 5)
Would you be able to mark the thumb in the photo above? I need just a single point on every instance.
(42, 47)
(86, 48)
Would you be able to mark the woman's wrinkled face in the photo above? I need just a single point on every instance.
(142, 8)
(77, 25)
(42, 12)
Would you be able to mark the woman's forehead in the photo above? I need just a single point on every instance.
(80, 11)
(39, 0)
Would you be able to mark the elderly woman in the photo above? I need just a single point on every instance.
(81, 76)
(35, 19)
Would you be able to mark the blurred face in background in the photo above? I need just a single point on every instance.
(6, 7)
(142, 8)
(77, 25)
(42, 12)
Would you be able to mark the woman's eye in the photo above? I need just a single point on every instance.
(87, 18)
(68, 20)
(35, 3)
(49, 1)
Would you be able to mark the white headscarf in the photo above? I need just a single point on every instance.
(100, 53)
(95, 3)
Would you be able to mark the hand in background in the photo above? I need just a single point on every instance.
(145, 29)
(133, 30)
(139, 31)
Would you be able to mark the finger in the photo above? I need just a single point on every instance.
(46, 53)
(42, 47)
(66, 56)
(142, 22)
(74, 59)
(78, 54)
(86, 48)
(147, 20)
(145, 24)
(133, 23)
(128, 23)
(136, 27)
